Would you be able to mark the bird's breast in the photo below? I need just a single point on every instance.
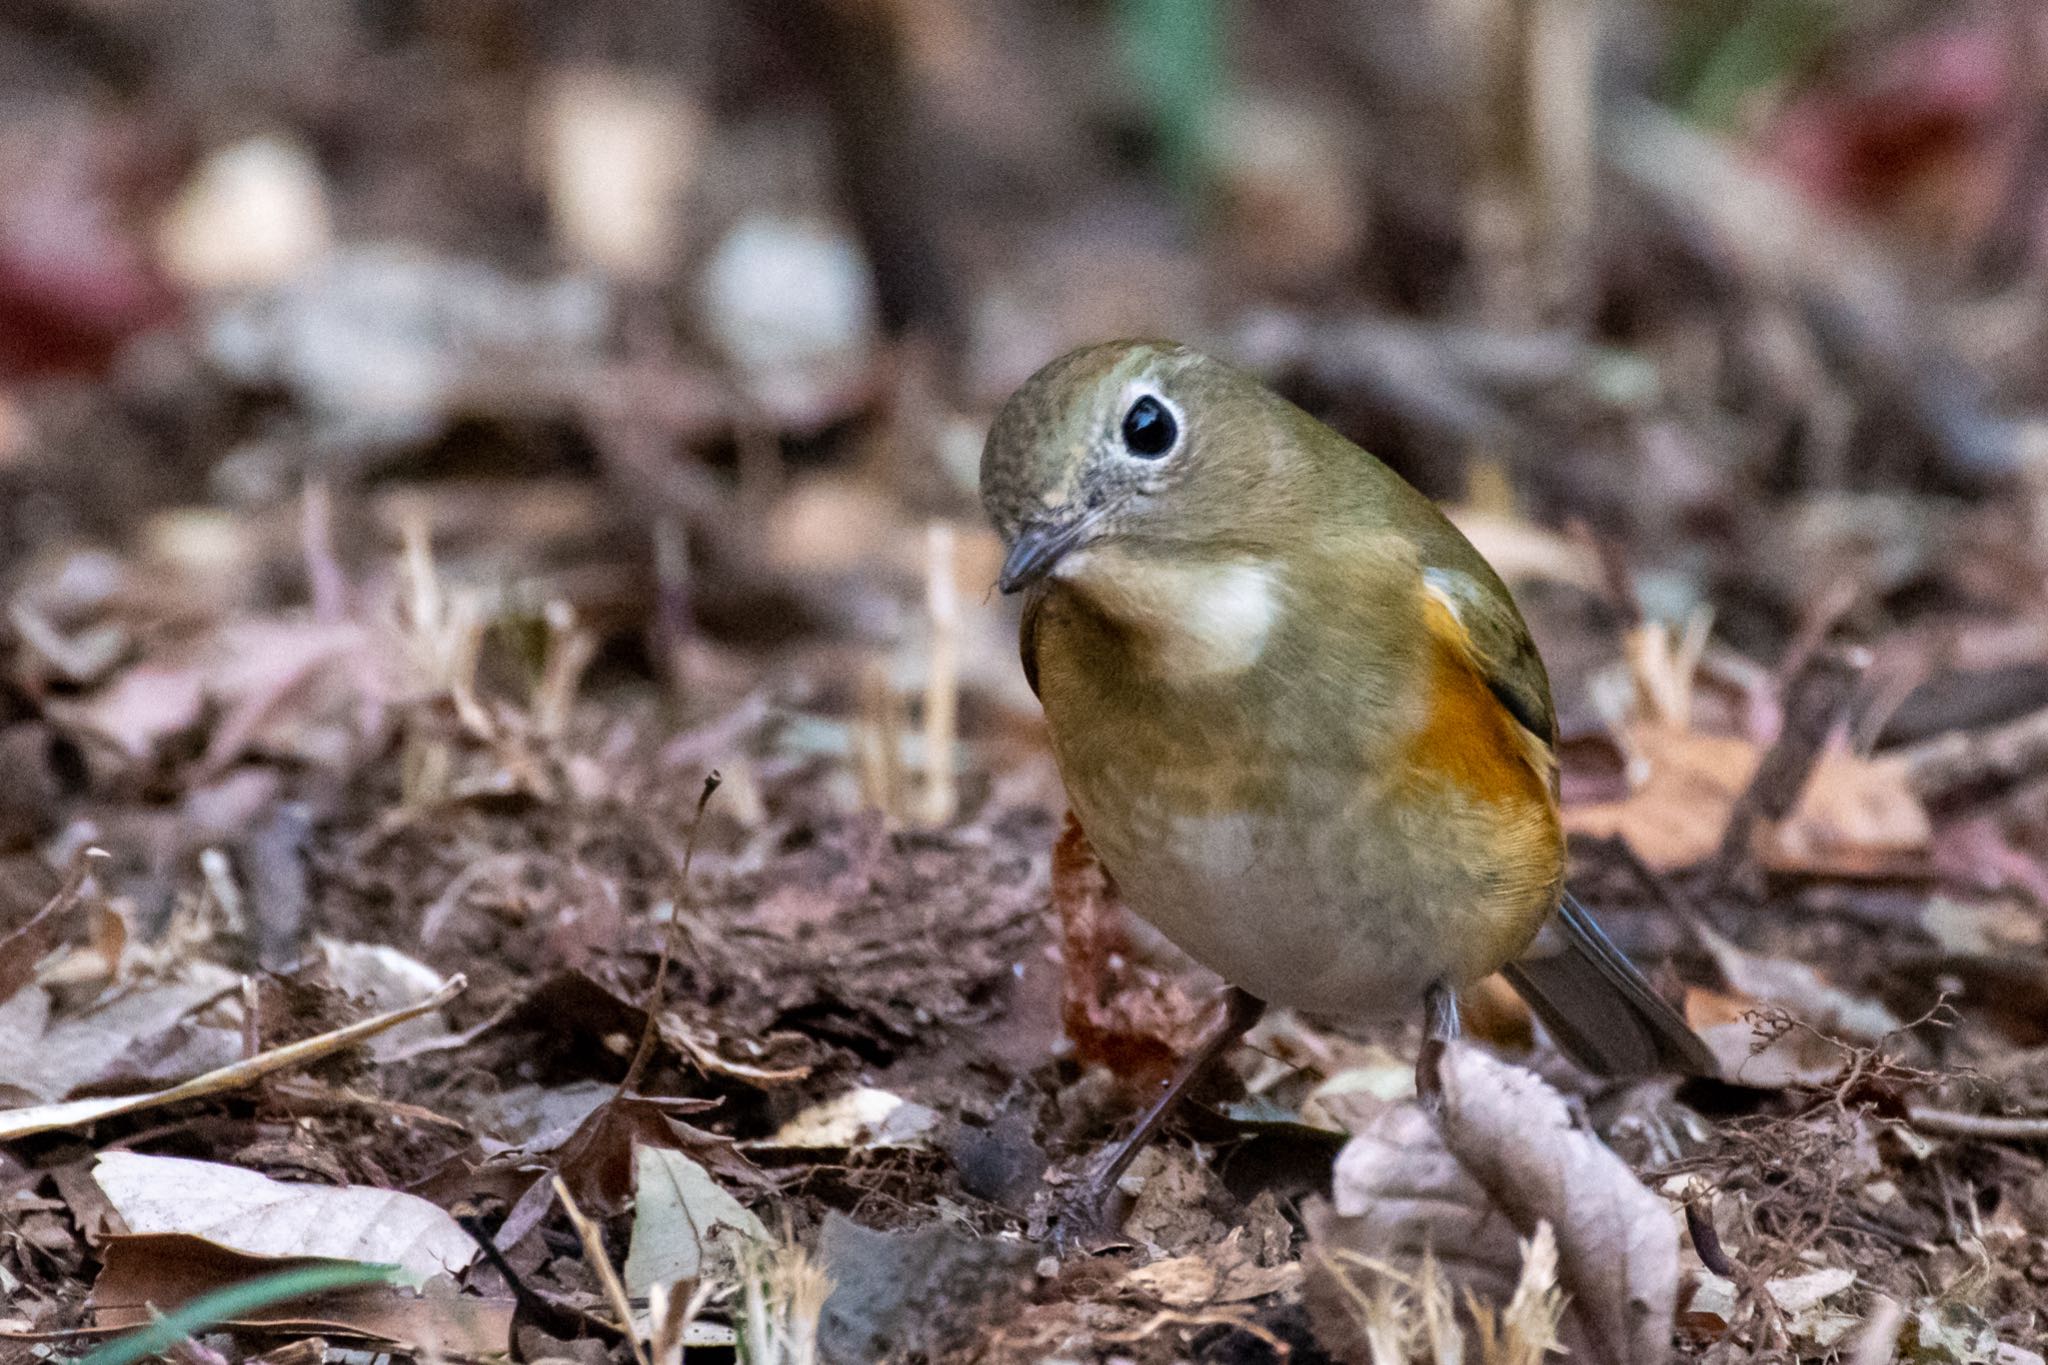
(1332, 831)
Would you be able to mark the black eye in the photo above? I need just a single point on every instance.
(1149, 429)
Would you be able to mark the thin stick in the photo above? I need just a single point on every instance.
(601, 1264)
(45, 1118)
(1706, 1239)
(1814, 702)
(324, 575)
(877, 746)
(668, 944)
(1951, 764)
(1986, 1127)
(942, 678)
(558, 1320)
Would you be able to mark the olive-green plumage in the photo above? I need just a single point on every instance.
(1298, 715)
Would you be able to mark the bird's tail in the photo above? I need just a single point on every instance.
(1601, 1010)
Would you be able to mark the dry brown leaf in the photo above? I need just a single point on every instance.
(598, 1163)
(253, 1214)
(141, 710)
(1676, 816)
(23, 947)
(1506, 1159)
(1856, 816)
(1222, 1273)
(864, 1119)
(1178, 1281)
(47, 1053)
(1981, 852)
(145, 1274)
(1981, 928)
(386, 979)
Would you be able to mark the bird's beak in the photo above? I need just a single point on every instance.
(1037, 548)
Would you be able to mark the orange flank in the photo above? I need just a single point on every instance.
(1469, 740)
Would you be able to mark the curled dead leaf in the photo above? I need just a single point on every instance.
(1457, 1196)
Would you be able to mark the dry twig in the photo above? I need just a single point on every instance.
(1952, 764)
(655, 992)
(1815, 700)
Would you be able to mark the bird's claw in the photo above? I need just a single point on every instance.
(1084, 1215)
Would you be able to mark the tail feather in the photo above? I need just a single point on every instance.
(1601, 1010)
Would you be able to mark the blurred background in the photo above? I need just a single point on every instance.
(691, 316)
(433, 434)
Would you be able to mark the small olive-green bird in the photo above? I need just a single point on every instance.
(1297, 715)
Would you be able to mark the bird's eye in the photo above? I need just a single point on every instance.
(1149, 429)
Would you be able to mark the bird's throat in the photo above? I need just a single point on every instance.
(1191, 620)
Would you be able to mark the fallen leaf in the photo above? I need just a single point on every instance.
(1505, 1160)
(140, 711)
(543, 1116)
(144, 1274)
(1796, 1293)
(1963, 928)
(1750, 1051)
(860, 1119)
(1800, 991)
(1177, 1282)
(599, 1161)
(683, 1223)
(1116, 1018)
(1353, 1098)
(1713, 1306)
(1223, 1272)
(50, 1054)
(45, 1118)
(1855, 817)
(1979, 852)
(24, 946)
(251, 1213)
(1675, 816)
(386, 979)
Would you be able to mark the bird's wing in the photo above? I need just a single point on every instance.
(1499, 646)
(1592, 999)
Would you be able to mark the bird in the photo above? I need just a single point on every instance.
(1297, 715)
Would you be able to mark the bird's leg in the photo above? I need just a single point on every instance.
(1241, 1010)
(1440, 1029)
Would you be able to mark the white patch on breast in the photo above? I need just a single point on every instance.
(1202, 619)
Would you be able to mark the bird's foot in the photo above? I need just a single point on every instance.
(1429, 1074)
(1440, 1029)
(1084, 1215)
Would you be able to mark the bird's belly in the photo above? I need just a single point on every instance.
(1331, 907)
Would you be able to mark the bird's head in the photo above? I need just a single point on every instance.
(1143, 443)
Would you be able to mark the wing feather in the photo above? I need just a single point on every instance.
(1499, 646)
